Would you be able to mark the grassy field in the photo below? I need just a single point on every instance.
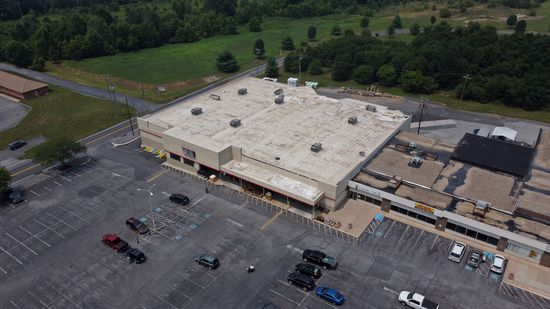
(64, 113)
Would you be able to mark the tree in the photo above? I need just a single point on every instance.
(434, 7)
(387, 75)
(342, 68)
(364, 74)
(311, 33)
(365, 22)
(315, 68)
(433, 19)
(259, 49)
(226, 62)
(415, 29)
(59, 149)
(520, 26)
(254, 25)
(444, 13)
(414, 81)
(336, 30)
(291, 62)
(287, 43)
(38, 63)
(18, 54)
(272, 70)
(512, 20)
(5, 179)
(391, 30)
(397, 22)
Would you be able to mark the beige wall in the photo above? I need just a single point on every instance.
(202, 155)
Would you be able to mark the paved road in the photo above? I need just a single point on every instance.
(141, 106)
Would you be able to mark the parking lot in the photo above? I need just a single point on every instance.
(51, 255)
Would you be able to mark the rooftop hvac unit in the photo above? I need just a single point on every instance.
(292, 81)
(215, 97)
(415, 162)
(316, 147)
(242, 91)
(412, 144)
(362, 153)
(482, 205)
(352, 120)
(280, 99)
(235, 123)
(196, 111)
(371, 108)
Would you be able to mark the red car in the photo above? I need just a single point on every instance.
(115, 242)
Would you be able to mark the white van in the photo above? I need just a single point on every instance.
(457, 252)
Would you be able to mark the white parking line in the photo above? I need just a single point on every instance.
(11, 206)
(79, 176)
(200, 286)
(22, 244)
(79, 286)
(35, 236)
(67, 179)
(204, 272)
(290, 300)
(166, 302)
(403, 235)
(13, 257)
(419, 236)
(388, 231)
(57, 183)
(67, 224)
(47, 188)
(47, 227)
(173, 289)
(234, 222)
(38, 299)
(2, 269)
(74, 214)
(13, 303)
(324, 302)
(62, 294)
(391, 291)
(35, 193)
(433, 242)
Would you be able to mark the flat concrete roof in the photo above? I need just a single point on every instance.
(286, 131)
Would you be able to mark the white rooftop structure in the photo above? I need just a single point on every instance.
(504, 133)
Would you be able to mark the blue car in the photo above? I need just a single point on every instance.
(330, 295)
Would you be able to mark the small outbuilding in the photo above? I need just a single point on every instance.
(21, 88)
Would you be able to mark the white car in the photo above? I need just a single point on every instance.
(498, 264)
(416, 301)
(457, 252)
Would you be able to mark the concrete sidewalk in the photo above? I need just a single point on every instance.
(519, 272)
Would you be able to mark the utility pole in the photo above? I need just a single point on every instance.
(129, 117)
(300, 70)
(466, 78)
(420, 120)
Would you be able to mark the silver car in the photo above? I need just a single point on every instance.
(457, 252)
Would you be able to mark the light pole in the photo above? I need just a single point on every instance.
(257, 52)
(300, 70)
(150, 204)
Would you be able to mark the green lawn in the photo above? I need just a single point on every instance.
(64, 113)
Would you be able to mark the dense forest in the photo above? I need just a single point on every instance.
(488, 67)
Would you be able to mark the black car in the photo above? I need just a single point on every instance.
(135, 256)
(208, 261)
(304, 281)
(474, 259)
(308, 269)
(137, 226)
(179, 199)
(319, 258)
(16, 145)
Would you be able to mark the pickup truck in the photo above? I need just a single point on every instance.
(416, 301)
(115, 242)
(319, 258)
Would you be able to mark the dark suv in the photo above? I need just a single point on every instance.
(179, 199)
(135, 256)
(308, 269)
(137, 226)
(319, 258)
(208, 261)
(298, 279)
(16, 145)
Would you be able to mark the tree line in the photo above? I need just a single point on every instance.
(473, 61)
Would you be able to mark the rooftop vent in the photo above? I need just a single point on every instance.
(235, 123)
(362, 153)
(394, 182)
(215, 97)
(415, 162)
(316, 147)
(242, 91)
(371, 108)
(278, 91)
(482, 205)
(352, 120)
(280, 99)
(196, 111)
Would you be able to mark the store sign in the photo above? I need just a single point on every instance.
(424, 208)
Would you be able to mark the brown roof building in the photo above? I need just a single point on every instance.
(21, 88)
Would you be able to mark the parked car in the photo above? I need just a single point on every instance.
(16, 145)
(137, 226)
(266, 306)
(303, 281)
(115, 242)
(416, 301)
(474, 259)
(319, 258)
(308, 269)
(208, 261)
(498, 264)
(179, 199)
(330, 295)
(135, 256)
(457, 252)
(15, 196)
